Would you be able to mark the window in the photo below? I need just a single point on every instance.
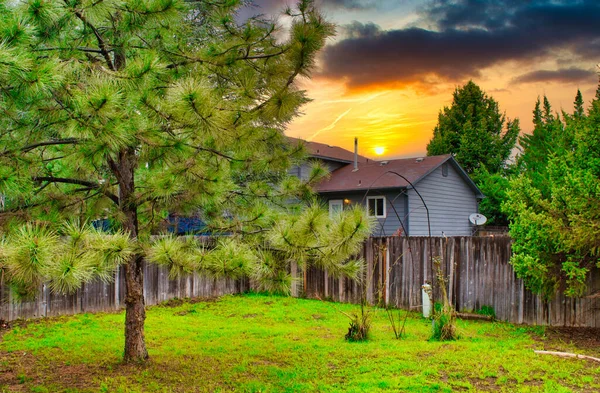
(445, 169)
(376, 207)
(335, 206)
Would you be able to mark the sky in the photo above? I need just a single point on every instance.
(394, 64)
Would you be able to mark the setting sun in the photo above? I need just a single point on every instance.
(379, 150)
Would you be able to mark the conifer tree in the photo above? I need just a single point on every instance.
(553, 203)
(474, 130)
(130, 110)
(481, 138)
(578, 104)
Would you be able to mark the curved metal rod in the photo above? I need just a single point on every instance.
(426, 210)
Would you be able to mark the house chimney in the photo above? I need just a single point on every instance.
(355, 155)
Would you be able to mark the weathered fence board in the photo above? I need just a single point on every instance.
(477, 268)
(99, 296)
(478, 272)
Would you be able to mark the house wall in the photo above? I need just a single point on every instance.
(303, 171)
(450, 201)
(395, 204)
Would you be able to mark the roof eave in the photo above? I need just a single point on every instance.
(361, 189)
(331, 159)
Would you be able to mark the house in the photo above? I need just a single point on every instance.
(400, 193)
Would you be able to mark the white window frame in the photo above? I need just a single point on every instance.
(333, 202)
(384, 215)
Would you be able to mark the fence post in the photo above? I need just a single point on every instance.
(294, 273)
(386, 272)
(326, 278)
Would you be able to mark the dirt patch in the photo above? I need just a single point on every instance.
(581, 340)
(20, 371)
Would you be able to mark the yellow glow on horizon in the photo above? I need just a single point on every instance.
(397, 121)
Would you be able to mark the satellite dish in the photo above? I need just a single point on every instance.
(477, 219)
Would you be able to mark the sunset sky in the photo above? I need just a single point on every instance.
(395, 63)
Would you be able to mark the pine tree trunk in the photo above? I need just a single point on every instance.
(135, 313)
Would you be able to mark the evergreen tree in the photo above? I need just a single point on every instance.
(474, 130)
(132, 110)
(578, 104)
(548, 137)
(554, 214)
(481, 138)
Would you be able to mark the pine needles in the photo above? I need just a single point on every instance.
(64, 259)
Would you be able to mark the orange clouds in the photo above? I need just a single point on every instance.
(401, 120)
(396, 120)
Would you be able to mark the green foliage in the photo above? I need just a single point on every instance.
(494, 187)
(444, 327)
(553, 204)
(549, 138)
(473, 129)
(308, 237)
(33, 254)
(487, 310)
(181, 255)
(360, 325)
(481, 139)
(131, 110)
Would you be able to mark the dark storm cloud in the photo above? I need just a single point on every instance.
(359, 30)
(350, 4)
(467, 36)
(274, 7)
(567, 75)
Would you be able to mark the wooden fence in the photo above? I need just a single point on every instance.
(477, 269)
(100, 296)
(478, 272)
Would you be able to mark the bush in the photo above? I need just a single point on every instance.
(444, 316)
(488, 311)
(444, 328)
(360, 325)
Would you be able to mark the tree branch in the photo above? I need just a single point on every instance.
(90, 184)
(67, 141)
(104, 50)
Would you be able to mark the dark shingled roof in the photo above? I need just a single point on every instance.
(335, 153)
(374, 175)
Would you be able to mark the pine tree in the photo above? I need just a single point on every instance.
(474, 130)
(553, 204)
(481, 138)
(549, 137)
(578, 105)
(132, 110)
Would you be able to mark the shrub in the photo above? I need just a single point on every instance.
(444, 316)
(487, 310)
(360, 325)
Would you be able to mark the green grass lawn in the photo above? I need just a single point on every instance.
(259, 343)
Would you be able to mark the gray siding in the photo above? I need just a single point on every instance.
(303, 171)
(395, 204)
(450, 201)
